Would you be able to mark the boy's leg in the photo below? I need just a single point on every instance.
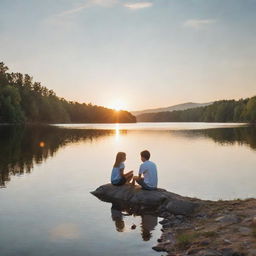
(143, 184)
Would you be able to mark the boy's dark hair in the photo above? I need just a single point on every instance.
(145, 154)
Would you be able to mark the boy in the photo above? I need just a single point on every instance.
(147, 178)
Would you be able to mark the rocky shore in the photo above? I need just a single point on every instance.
(191, 226)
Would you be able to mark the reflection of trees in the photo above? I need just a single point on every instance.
(21, 146)
(241, 135)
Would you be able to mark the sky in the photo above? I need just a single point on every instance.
(133, 54)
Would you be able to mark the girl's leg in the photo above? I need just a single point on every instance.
(128, 176)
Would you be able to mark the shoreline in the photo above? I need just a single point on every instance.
(190, 226)
(216, 228)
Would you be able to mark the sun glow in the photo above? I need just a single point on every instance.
(118, 105)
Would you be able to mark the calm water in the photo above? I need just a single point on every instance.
(46, 174)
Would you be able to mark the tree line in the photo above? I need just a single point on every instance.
(24, 101)
(243, 110)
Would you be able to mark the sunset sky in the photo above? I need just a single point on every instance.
(143, 54)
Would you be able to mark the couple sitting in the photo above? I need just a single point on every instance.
(147, 178)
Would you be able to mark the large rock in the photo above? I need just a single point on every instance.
(158, 200)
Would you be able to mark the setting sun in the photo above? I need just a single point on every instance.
(118, 105)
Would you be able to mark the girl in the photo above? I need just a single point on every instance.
(118, 177)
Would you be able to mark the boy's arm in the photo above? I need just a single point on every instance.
(137, 177)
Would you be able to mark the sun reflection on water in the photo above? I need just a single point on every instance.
(117, 132)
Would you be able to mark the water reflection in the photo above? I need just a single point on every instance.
(148, 224)
(148, 221)
(21, 147)
(226, 136)
(117, 217)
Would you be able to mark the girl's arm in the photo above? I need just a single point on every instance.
(122, 172)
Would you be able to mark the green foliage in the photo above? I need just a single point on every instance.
(22, 100)
(243, 110)
(185, 239)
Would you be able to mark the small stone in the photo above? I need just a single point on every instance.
(244, 231)
(193, 250)
(228, 219)
(159, 240)
(180, 217)
(164, 221)
(204, 242)
(226, 241)
(159, 248)
(209, 252)
(254, 221)
(201, 215)
(133, 226)
(227, 251)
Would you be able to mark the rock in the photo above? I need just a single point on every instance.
(226, 241)
(227, 251)
(159, 248)
(164, 221)
(180, 217)
(244, 231)
(164, 214)
(168, 202)
(252, 252)
(204, 243)
(228, 219)
(254, 221)
(209, 252)
(231, 252)
(194, 250)
(183, 207)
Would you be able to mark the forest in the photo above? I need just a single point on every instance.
(24, 101)
(243, 110)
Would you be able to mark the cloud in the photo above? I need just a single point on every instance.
(90, 3)
(198, 23)
(73, 11)
(136, 6)
(65, 17)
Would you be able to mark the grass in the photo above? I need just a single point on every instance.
(185, 239)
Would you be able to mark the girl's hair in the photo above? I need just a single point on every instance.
(119, 158)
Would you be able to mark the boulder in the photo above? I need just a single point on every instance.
(158, 200)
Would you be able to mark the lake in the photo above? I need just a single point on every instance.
(47, 173)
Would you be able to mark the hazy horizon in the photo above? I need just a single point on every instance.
(135, 54)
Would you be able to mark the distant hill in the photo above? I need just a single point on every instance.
(182, 106)
(243, 110)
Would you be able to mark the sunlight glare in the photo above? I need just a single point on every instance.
(117, 132)
(118, 105)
